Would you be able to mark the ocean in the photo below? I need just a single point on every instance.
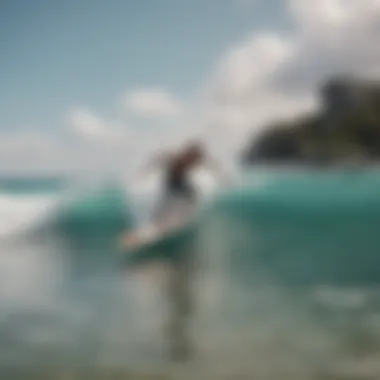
(287, 285)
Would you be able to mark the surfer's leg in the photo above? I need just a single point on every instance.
(187, 203)
(180, 307)
(160, 214)
(158, 211)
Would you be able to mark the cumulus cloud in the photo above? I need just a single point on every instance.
(89, 144)
(25, 151)
(265, 77)
(334, 36)
(153, 103)
(269, 76)
(88, 126)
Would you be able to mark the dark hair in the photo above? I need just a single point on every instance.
(195, 145)
(195, 148)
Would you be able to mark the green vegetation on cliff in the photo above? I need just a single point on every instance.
(346, 127)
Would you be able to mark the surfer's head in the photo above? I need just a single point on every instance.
(194, 150)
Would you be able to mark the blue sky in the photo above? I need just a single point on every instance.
(98, 83)
(59, 54)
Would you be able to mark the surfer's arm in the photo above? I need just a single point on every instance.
(152, 164)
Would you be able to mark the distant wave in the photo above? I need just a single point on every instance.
(28, 205)
(18, 214)
(32, 185)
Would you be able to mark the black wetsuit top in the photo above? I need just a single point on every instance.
(177, 180)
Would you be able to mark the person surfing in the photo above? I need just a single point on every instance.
(180, 196)
(177, 186)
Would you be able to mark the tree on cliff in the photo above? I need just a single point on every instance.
(347, 126)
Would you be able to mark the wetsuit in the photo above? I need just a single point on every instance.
(177, 186)
(177, 181)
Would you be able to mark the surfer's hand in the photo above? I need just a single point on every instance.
(127, 241)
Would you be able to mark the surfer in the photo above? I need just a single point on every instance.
(178, 186)
(179, 194)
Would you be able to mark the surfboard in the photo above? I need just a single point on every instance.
(151, 243)
(171, 242)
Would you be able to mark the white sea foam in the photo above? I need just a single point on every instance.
(20, 212)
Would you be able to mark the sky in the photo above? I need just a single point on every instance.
(97, 85)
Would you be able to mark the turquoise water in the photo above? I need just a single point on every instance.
(288, 270)
(24, 185)
(305, 227)
(299, 227)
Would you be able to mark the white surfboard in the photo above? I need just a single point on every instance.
(176, 212)
(175, 218)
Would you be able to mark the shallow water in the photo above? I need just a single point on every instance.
(68, 310)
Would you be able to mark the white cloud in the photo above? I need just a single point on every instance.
(153, 103)
(25, 151)
(269, 76)
(265, 77)
(92, 128)
(44, 153)
(334, 36)
(91, 144)
(254, 61)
